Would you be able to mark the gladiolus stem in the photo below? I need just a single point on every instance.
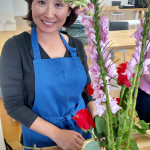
(140, 66)
(121, 94)
(127, 109)
(103, 73)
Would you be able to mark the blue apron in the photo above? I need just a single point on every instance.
(59, 83)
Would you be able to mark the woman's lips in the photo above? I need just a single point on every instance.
(48, 23)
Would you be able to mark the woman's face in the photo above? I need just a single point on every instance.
(49, 15)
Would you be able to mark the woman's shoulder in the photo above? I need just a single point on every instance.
(16, 43)
(17, 39)
(73, 41)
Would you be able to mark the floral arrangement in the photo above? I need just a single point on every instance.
(114, 124)
(115, 120)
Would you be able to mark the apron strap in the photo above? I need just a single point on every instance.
(70, 49)
(36, 49)
(35, 44)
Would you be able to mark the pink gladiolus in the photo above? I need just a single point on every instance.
(104, 22)
(137, 57)
(114, 107)
(138, 33)
(100, 108)
(81, 12)
(91, 7)
(145, 66)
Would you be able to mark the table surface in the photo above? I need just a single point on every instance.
(2, 145)
(116, 8)
(143, 141)
(121, 39)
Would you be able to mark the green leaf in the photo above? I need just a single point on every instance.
(93, 145)
(100, 125)
(98, 135)
(133, 145)
(100, 130)
(143, 124)
(142, 131)
(86, 131)
(124, 99)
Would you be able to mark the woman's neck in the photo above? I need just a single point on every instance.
(48, 38)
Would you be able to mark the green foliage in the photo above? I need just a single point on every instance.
(141, 127)
(143, 124)
(133, 145)
(100, 130)
(123, 103)
(93, 145)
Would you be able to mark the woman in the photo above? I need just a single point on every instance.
(44, 76)
(143, 99)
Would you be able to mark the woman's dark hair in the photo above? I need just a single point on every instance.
(69, 20)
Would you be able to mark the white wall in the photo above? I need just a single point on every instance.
(108, 2)
(7, 20)
(6, 9)
(20, 7)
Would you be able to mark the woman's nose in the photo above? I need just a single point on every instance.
(49, 12)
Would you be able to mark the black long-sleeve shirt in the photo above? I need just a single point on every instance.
(17, 76)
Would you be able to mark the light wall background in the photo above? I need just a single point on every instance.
(19, 7)
(108, 2)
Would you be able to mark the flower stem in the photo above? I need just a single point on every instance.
(140, 66)
(122, 93)
(93, 136)
(103, 73)
(135, 84)
(126, 111)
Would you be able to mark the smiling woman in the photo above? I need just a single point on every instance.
(49, 15)
(69, 20)
(44, 76)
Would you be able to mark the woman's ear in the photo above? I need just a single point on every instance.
(69, 11)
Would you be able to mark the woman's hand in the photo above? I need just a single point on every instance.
(68, 139)
(92, 109)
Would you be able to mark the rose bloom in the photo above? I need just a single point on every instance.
(90, 89)
(122, 67)
(84, 119)
(123, 79)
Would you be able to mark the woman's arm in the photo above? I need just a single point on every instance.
(92, 108)
(12, 78)
(12, 83)
(65, 139)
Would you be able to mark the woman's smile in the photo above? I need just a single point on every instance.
(49, 15)
(47, 23)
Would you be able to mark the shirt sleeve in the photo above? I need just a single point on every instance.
(11, 80)
(83, 57)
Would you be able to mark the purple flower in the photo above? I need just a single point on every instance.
(113, 105)
(100, 109)
(104, 23)
(91, 7)
(138, 33)
(146, 63)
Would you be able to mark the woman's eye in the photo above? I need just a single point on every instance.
(41, 2)
(59, 5)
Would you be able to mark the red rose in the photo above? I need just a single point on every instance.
(133, 75)
(90, 89)
(118, 100)
(122, 68)
(123, 79)
(84, 119)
